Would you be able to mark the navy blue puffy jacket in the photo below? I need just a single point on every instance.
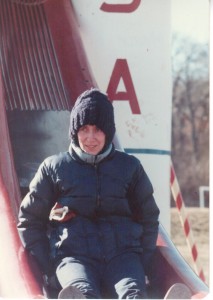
(113, 202)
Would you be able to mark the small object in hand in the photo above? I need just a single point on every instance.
(61, 213)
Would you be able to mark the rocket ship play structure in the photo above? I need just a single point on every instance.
(50, 52)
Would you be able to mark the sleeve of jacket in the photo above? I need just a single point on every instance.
(34, 217)
(145, 211)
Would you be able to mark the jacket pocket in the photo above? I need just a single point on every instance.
(77, 237)
(120, 234)
(128, 234)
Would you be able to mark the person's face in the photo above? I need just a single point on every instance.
(91, 139)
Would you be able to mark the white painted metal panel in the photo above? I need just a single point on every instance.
(128, 48)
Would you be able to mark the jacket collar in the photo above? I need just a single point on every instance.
(89, 158)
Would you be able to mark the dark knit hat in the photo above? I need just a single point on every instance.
(92, 108)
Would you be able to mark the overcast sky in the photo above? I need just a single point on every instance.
(191, 18)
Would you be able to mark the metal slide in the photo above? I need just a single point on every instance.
(44, 67)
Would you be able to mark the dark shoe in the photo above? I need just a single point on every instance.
(178, 291)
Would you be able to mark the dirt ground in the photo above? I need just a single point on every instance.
(199, 224)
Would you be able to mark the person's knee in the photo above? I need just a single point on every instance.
(72, 271)
(128, 288)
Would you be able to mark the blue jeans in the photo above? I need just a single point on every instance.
(120, 278)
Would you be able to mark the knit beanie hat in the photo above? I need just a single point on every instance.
(92, 108)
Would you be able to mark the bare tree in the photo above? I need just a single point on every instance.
(190, 127)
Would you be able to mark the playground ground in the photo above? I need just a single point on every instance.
(199, 222)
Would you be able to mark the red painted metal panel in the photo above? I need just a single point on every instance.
(16, 277)
(44, 66)
(76, 71)
(7, 168)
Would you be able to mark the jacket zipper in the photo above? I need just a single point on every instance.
(98, 201)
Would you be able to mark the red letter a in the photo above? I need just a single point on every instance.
(121, 70)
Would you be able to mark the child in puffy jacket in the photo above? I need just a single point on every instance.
(90, 218)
